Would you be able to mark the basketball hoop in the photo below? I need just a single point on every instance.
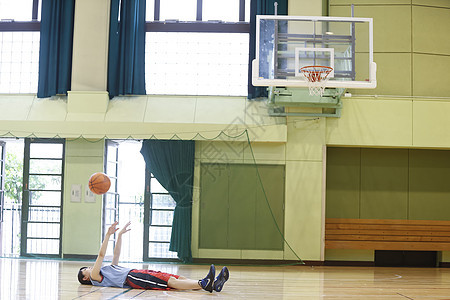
(317, 77)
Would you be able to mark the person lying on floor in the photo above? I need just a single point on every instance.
(117, 276)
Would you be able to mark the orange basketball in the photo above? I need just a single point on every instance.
(99, 183)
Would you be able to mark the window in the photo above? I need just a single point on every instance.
(12, 180)
(179, 10)
(197, 47)
(217, 63)
(162, 207)
(43, 183)
(198, 10)
(19, 45)
(20, 10)
(193, 47)
(221, 10)
(19, 62)
(111, 197)
(135, 197)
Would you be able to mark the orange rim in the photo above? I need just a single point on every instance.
(316, 73)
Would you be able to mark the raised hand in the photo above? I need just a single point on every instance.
(125, 228)
(112, 229)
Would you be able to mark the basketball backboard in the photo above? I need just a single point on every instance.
(285, 44)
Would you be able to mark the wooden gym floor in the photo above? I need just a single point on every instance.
(56, 279)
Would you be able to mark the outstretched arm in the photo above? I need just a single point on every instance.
(118, 246)
(95, 273)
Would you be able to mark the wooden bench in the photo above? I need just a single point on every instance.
(421, 235)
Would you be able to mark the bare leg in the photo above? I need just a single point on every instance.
(183, 283)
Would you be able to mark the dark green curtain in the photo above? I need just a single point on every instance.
(126, 60)
(55, 51)
(260, 7)
(172, 164)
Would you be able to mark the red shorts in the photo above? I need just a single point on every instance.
(149, 279)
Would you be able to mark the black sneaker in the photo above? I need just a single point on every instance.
(221, 279)
(207, 282)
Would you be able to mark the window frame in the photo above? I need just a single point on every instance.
(26, 192)
(111, 146)
(148, 209)
(33, 25)
(199, 25)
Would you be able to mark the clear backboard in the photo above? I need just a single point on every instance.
(285, 44)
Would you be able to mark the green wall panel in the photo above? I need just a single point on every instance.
(384, 183)
(438, 3)
(394, 71)
(392, 19)
(214, 207)
(370, 2)
(233, 211)
(271, 212)
(411, 45)
(431, 75)
(391, 27)
(343, 182)
(430, 30)
(429, 189)
(242, 199)
(340, 11)
(393, 74)
(395, 184)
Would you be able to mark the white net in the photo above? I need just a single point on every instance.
(317, 77)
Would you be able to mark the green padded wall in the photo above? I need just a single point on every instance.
(214, 210)
(384, 183)
(242, 207)
(268, 235)
(234, 213)
(394, 184)
(343, 182)
(429, 189)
